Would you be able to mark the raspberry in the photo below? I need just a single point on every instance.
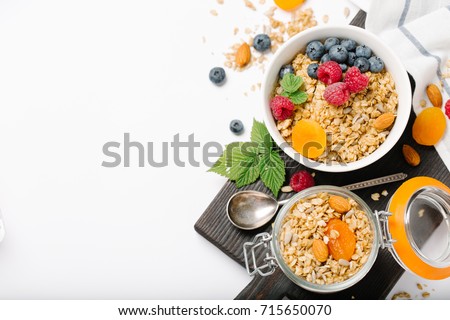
(329, 72)
(282, 107)
(447, 108)
(301, 180)
(355, 80)
(337, 94)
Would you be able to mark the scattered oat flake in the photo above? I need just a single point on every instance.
(419, 286)
(425, 294)
(384, 193)
(203, 39)
(249, 5)
(236, 30)
(246, 94)
(423, 103)
(248, 30)
(286, 189)
(375, 196)
(220, 1)
(401, 296)
(214, 13)
(262, 1)
(313, 174)
(325, 18)
(448, 63)
(346, 12)
(420, 213)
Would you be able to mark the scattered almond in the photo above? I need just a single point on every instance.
(411, 155)
(346, 12)
(320, 250)
(243, 55)
(434, 94)
(384, 121)
(339, 204)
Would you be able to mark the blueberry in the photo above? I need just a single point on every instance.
(351, 58)
(349, 44)
(261, 42)
(287, 68)
(315, 50)
(330, 42)
(363, 51)
(217, 75)
(376, 64)
(325, 58)
(338, 53)
(362, 64)
(343, 66)
(312, 70)
(236, 126)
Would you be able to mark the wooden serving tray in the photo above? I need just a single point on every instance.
(215, 227)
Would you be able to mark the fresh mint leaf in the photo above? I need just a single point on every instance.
(261, 136)
(249, 173)
(272, 171)
(234, 158)
(298, 97)
(220, 167)
(244, 162)
(291, 83)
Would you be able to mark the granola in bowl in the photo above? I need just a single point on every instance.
(326, 239)
(311, 119)
(351, 131)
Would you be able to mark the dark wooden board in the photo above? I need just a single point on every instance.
(215, 227)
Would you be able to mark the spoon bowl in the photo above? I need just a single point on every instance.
(250, 209)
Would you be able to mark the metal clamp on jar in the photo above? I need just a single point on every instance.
(415, 228)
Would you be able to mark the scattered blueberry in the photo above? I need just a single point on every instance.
(351, 58)
(287, 68)
(376, 64)
(343, 66)
(362, 64)
(338, 53)
(312, 70)
(261, 42)
(363, 51)
(349, 44)
(315, 50)
(236, 126)
(325, 58)
(217, 75)
(330, 42)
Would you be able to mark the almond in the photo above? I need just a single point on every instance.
(411, 155)
(434, 94)
(320, 250)
(339, 204)
(243, 55)
(384, 121)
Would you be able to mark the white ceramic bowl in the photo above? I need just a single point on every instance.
(291, 48)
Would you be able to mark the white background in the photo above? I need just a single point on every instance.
(77, 74)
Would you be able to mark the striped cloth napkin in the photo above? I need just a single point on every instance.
(419, 32)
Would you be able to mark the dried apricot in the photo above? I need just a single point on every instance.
(429, 126)
(342, 241)
(309, 138)
(288, 4)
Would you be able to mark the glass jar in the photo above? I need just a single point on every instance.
(415, 228)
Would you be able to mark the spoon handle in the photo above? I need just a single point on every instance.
(376, 182)
(367, 183)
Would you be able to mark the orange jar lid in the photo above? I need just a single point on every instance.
(420, 227)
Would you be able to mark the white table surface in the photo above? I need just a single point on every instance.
(77, 74)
